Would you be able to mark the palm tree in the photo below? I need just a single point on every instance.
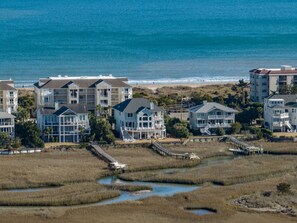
(48, 131)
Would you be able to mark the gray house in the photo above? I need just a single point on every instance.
(63, 124)
(7, 123)
(138, 118)
(209, 116)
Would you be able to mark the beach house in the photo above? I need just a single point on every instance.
(8, 96)
(280, 113)
(68, 123)
(90, 91)
(139, 118)
(209, 116)
(7, 124)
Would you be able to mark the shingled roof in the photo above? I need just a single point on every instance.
(4, 86)
(290, 100)
(134, 105)
(208, 106)
(81, 82)
(79, 109)
(6, 115)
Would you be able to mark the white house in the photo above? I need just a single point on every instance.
(63, 124)
(280, 113)
(7, 124)
(138, 118)
(209, 116)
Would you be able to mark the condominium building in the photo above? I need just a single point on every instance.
(265, 81)
(209, 116)
(7, 122)
(90, 91)
(138, 118)
(63, 124)
(280, 113)
(8, 97)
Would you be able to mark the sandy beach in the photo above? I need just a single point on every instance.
(193, 85)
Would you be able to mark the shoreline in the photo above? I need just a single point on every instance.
(192, 85)
(155, 86)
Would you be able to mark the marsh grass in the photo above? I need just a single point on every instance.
(48, 169)
(71, 194)
(243, 170)
(278, 147)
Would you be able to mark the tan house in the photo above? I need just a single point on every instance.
(265, 81)
(8, 96)
(90, 91)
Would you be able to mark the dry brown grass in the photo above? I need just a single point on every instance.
(49, 168)
(143, 158)
(70, 194)
(203, 149)
(236, 171)
(164, 209)
(248, 175)
(278, 147)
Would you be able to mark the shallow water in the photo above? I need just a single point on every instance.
(158, 189)
(208, 162)
(202, 211)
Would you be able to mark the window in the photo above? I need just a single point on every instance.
(1, 100)
(73, 102)
(11, 93)
(11, 101)
(46, 99)
(130, 115)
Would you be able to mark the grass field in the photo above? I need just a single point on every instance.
(49, 169)
(77, 170)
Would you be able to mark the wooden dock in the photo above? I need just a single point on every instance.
(157, 147)
(243, 147)
(98, 151)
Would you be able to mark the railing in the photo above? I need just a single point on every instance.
(283, 115)
(220, 116)
(280, 124)
(217, 125)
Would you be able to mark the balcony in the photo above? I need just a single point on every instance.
(216, 125)
(280, 124)
(283, 115)
(220, 116)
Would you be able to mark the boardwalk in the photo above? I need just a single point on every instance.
(157, 147)
(112, 162)
(243, 147)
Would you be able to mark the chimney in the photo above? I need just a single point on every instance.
(152, 106)
(56, 105)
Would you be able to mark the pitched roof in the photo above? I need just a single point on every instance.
(290, 100)
(81, 82)
(208, 106)
(6, 115)
(4, 86)
(79, 109)
(135, 105)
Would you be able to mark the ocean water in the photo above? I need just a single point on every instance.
(145, 40)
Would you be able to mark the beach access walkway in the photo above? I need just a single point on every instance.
(112, 162)
(157, 147)
(243, 147)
